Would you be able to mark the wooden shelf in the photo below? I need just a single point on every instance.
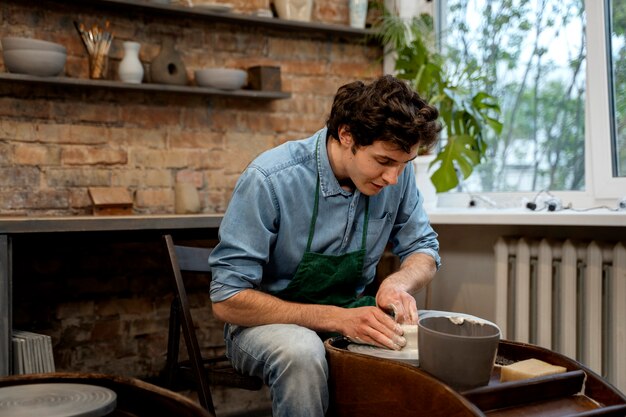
(172, 10)
(179, 11)
(108, 84)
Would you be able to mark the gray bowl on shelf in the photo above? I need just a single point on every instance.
(34, 62)
(221, 78)
(10, 43)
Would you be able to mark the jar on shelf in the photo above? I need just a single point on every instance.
(131, 68)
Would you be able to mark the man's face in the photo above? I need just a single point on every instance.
(371, 168)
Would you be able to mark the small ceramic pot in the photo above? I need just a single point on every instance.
(131, 68)
(358, 13)
(294, 9)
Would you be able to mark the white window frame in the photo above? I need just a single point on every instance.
(598, 137)
(601, 188)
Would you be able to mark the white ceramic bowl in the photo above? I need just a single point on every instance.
(10, 43)
(34, 62)
(222, 78)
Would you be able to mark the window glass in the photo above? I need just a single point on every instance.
(617, 19)
(531, 56)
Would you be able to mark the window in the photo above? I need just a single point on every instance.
(536, 57)
(617, 78)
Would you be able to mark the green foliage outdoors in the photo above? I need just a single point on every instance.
(541, 90)
(466, 115)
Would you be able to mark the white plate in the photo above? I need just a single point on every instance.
(409, 356)
(217, 8)
(57, 400)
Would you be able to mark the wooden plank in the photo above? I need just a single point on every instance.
(516, 393)
(20, 225)
(612, 411)
(144, 87)
(558, 407)
(237, 18)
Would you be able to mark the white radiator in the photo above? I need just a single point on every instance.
(566, 296)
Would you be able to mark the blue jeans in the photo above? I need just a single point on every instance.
(290, 359)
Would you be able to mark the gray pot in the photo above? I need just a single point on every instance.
(460, 351)
(168, 67)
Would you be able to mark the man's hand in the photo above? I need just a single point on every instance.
(400, 304)
(371, 325)
(395, 293)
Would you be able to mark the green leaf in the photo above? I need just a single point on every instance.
(459, 152)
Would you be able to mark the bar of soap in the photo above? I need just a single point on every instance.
(529, 368)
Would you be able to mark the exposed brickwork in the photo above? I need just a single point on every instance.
(106, 303)
(58, 141)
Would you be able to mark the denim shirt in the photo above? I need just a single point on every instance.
(264, 232)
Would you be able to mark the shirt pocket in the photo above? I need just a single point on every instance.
(378, 230)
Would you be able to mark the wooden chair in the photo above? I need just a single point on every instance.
(198, 372)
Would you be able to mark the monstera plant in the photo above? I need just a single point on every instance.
(466, 115)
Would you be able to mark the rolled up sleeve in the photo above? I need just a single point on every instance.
(246, 234)
(412, 232)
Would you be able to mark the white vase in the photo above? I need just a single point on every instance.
(131, 69)
(358, 13)
(423, 182)
(294, 9)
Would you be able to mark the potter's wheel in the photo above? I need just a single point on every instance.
(56, 400)
(408, 356)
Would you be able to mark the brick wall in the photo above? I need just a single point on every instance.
(55, 142)
(105, 299)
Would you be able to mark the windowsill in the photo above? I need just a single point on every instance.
(455, 216)
(519, 216)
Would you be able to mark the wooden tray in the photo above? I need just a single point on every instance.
(368, 386)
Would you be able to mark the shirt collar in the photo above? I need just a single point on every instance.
(329, 186)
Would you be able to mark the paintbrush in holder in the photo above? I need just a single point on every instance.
(97, 41)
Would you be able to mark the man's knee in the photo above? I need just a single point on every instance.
(304, 353)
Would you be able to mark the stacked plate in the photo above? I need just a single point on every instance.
(33, 56)
(32, 353)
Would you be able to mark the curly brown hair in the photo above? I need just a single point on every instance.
(385, 110)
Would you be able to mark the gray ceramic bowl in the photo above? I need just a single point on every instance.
(458, 350)
(222, 78)
(14, 42)
(34, 62)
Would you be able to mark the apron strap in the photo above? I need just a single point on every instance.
(365, 222)
(314, 216)
(316, 205)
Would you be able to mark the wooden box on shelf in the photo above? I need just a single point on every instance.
(264, 78)
(111, 201)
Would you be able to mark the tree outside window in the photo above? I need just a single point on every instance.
(531, 55)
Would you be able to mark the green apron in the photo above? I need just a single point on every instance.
(329, 279)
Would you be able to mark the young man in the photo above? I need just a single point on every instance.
(305, 228)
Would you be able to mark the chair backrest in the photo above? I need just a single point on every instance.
(193, 259)
(185, 258)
